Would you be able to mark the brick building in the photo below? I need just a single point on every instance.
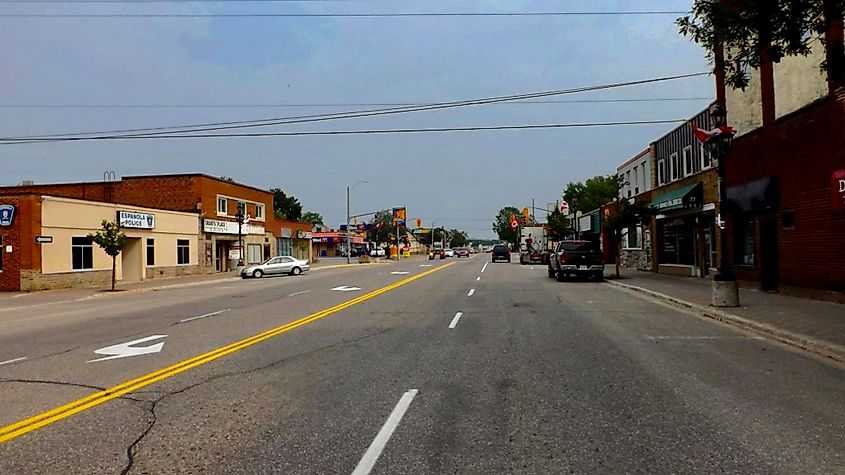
(785, 212)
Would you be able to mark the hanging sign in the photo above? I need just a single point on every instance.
(7, 213)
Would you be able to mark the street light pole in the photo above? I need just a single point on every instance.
(725, 288)
(348, 233)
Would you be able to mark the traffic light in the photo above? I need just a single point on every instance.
(525, 214)
(419, 222)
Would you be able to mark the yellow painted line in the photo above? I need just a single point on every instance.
(28, 425)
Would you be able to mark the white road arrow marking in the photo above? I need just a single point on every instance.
(125, 350)
(396, 272)
(426, 265)
(346, 288)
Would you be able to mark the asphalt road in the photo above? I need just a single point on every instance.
(533, 376)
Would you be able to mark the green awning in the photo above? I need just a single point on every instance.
(679, 198)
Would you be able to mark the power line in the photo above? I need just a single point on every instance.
(209, 127)
(341, 15)
(359, 104)
(358, 132)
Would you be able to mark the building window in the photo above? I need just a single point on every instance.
(222, 205)
(646, 179)
(675, 165)
(259, 212)
(253, 253)
(636, 183)
(744, 240)
(631, 237)
(242, 209)
(690, 166)
(82, 251)
(677, 241)
(788, 220)
(151, 252)
(661, 171)
(706, 161)
(183, 251)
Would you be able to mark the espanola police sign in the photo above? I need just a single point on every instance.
(7, 213)
(132, 219)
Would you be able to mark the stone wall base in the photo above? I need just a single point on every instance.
(33, 280)
(176, 271)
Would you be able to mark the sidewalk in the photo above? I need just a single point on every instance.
(813, 325)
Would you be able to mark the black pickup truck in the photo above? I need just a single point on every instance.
(576, 258)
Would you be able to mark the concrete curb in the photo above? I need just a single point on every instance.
(819, 347)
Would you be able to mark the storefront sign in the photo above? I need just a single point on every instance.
(837, 189)
(43, 239)
(217, 226)
(303, 235)
(234, 254)
(132, 219)
(673, 203)
(7, 214)
(584, 223)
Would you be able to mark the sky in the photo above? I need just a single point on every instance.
(63, 75)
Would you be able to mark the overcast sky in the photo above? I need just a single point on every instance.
(458, 178)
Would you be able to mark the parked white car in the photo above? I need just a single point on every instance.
(275, 266)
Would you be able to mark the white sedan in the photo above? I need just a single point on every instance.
(449, 253)
(277, 265)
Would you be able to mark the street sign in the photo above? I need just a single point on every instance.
(43, 239)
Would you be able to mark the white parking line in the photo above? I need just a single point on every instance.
(455, 320)
(368, 461)
(204, 316)
(484, 268)
(299, 293)
(471, 291)
(12, 361)
(701, 337)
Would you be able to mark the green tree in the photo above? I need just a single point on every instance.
(559, 226)
(625, 215)
(502, 224)
(459, 238)
(286, 207)
(593, 193)
(112, 240)
(381, 227)
(313, 217)
(753, 31)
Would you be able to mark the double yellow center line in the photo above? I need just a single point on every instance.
(28, 425)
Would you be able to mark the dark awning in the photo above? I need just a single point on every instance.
(757, 195)
(684, 197)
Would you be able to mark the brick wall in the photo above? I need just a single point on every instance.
(801, 150)
(21, 236)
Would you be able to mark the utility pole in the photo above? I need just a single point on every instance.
(348, 243)
(240, 218)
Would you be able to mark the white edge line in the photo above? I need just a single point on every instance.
(12, 361)
(368, 461)
(471, 291)
(204, 316)
(299, 293)
(484, 268)
(455, 320)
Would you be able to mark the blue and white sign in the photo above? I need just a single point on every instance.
(132, 219)
(7, 213)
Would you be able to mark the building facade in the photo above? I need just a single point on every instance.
(45, 243)
(636, 176)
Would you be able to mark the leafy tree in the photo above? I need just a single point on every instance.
(112, 240)
(753, 31)
(502, 224)
(559, 226)
(459, 238)
(625, 215)
(381, 227)
(593, 193)
(313, 217)
(286, 207)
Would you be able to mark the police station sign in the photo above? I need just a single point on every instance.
(837, 189)
(7, 214)
(132, 219)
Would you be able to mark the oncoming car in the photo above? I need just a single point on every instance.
(275, 266)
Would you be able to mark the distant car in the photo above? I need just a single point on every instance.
(462, 252)
(275, 266)
(473, 250)
(449, 252)
(377, 252)
(501, 252)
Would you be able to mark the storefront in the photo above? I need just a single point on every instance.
(684, 230)
(222, 239)
(46, 245)
(331, 244)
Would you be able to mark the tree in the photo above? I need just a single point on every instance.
(381, 227)
(625, 215)
(459, 238)
(559, 226)
(502, 224)
(286, 207)
(313, 217)
(112, 240)
(742, 34)
(593, 193)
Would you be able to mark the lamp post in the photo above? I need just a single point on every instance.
(725, 289)
(240, 217)
(348, 234)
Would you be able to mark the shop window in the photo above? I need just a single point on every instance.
(151, 252)
(82, 252)
(788, 220)
(675, 165)
(632, 237)
(259, 212)
(183, 251)
(253, 254)
(222, 205)
(661, 171)
(677, 241)
(744, 241)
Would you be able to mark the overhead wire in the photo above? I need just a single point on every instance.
(343, 15)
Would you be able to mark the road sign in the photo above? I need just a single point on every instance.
(514, 224)
(43, 239)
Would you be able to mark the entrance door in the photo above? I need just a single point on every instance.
(132, 261)
(769, 268)
(221, 256)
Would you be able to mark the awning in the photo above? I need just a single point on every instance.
(757, 195)
(684, 197)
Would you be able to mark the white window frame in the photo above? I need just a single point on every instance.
(646, 177)
(255, 204)
(686, 159)
(259, 212)
(705, 155)
(179, 247)
(674, 167)
(254, 253)
(636, 182)
(222, 210)
(639, 247)
(661, 171)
